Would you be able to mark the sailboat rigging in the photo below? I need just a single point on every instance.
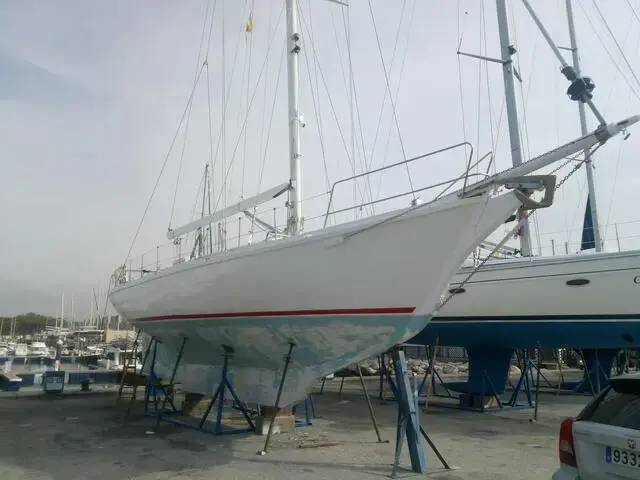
(334, 295)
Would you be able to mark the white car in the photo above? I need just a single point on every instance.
(603, 441)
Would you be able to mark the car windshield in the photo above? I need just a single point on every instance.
(620, 405)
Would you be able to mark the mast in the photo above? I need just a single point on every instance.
(200, 239)
(91, 306)
(62, 312)
(512, 112)
(209, 236)
(294, 205)
(583, 127)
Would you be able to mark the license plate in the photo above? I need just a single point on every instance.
(620, 456)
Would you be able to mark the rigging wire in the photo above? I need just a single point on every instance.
(223, 121)
(244, 124)
(602, 43)
(619, 156)
(486, 70)
(270, 124)
(315, 92)
(393, 106)
(264, 146)
(615, 177)
(209, 120)
(184, 143)
(162, 169)
(397, 93)
(633, 10)
(459, 36)
(355, 108)
(615, 78)
(316, 106)
(578, 215)
(348, 89)
(227, 97)
(384, 97)
(266, 88)
(248, 30)
(347, 31)
(329, 98)
(613, 37)
(522, 126)
(480, 63)
(342, 67)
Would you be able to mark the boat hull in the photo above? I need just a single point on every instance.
(528, 303)
(340, 295)
(323, 344)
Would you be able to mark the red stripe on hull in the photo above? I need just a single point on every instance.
(284, 313)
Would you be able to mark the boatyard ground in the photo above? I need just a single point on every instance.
(85, 436)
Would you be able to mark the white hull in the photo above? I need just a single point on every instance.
(537, 287)
(340, 294)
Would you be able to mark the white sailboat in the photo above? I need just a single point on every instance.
(586, 300)
(337, 294)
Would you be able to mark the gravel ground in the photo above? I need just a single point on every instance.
(81, 437)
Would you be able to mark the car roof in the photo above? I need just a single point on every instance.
(626, 383)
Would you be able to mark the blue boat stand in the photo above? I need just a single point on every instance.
(408, 417)
(482, 385)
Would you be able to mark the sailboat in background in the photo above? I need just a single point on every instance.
(584, 300)
(334, 295)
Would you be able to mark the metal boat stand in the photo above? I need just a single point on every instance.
(409, 418)
(597, 365)
(223, 386)
(167, 390)
(157, 390)
(309, 412)
(484, 392)
(287, 360)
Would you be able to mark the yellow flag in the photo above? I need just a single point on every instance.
(249, 26)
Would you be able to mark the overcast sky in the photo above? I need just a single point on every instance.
(92, 93)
